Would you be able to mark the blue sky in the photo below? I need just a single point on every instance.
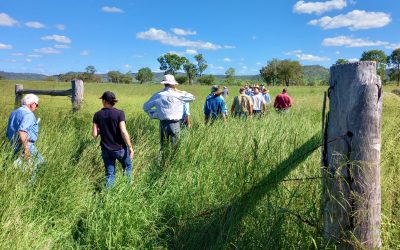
(51, 37)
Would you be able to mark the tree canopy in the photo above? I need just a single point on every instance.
(379, 57)
(201, 64)
(190, 70)
(285, 71)
(394, 61)
(171, 63)
(144, 75)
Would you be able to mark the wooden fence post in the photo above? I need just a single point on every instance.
(18, 94)
(352, 195)
(77, 94)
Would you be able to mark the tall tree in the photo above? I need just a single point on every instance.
(171, 63)
(269, 73)
(90, 69)
(190, 70)
(379, 57)
(201, 64)
(230, 73)
(144, 75)
(289, 70)
(394, 60)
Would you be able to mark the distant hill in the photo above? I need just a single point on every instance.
(311, 73)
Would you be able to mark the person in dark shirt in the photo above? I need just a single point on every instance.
(115, 143)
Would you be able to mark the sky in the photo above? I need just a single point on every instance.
(58, 36)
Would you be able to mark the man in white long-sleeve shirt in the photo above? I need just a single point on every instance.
(167, 106)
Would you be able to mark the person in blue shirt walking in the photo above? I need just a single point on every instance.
(185, 121)
(22, 133)
(215, 106)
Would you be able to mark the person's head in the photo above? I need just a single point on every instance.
(30, 101)
(284, 90)
(256, 89)
(246, 86)
(241, 90)
(265, 91)
(224, 87)
(108, 98)
(214, 88)
(169, 81)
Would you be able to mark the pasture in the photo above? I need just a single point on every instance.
(242, 185)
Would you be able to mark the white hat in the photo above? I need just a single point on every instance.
(169, 79)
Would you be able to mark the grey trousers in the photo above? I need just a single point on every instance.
(169, 131)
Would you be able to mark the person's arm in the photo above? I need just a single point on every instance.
(224, 117)
(184, 96)
(148, 106)
(187, 120)
(249, 106)
(23, 137)
(95, 131)
(125, 136)
(264, 107)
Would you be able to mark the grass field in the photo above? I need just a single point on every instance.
(229, 186)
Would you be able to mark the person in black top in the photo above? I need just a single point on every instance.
(115, 143)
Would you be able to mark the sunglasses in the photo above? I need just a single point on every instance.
(37, 104)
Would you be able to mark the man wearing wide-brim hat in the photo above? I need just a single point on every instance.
(167, 106)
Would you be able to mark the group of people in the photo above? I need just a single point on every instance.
(170, 106)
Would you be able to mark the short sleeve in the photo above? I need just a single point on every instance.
(95, 119)
(26, 122)
(121, 116)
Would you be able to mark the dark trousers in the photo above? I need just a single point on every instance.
(169, 131)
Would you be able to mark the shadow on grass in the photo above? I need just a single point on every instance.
(215, 229)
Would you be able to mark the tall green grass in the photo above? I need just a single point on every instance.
(226, 186)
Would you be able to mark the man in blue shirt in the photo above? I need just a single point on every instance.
(168, 106)
(215, 106)
(22, 132)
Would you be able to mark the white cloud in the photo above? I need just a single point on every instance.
(138, 56)
(112, 9)
(318, 7)
(6, 20)
(34, 56)
(28, 60)
(183, 32)
(18, 54)
(259, 63)
(47, 50)
(355, 20)
(60, 26)
(8, 60)
(227, 59)
(229, 47)
(84, 53)
(307, 57)
(220, 68)
(5, 46)
(337, 52)
(61, 46)
(128, 66)
(35, 25)
(354, 60)
(350, 42)
(57, 38)
(169, 39)
(191, 52)
(245, 68)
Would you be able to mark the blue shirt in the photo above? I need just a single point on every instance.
(22, 119)
(267, 98)
(214, 105)
(186, 110)
(167, 104)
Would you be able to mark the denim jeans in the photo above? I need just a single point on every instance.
(169, 131)
(109, 158)
(32, 164)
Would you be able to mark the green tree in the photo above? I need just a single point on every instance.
(230, 73)
(206, 79)
(144, 75)
(201, 64)
(394, 60)
(90, 69)
(379, 57)
(190, 70)
(269, 73)
(342, 61)
(171, 63)
(114, 76)
(181, 79)
(289, 71)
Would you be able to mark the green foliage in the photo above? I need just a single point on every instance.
(144, 75)
(181, 79)
(171, 63)
(190, 70)
(379, 57)
(341, 61)
(201, 64)
(394, 60)
(286, 71)
(230, 73)
(118, 77)
(206, 79)
(269, 73)
(90, 70)
(50, 79)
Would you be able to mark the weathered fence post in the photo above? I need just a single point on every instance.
(77, 94)
(352, 195)
(18, 94)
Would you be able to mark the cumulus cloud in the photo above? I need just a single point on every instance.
(191, 52)
(183, 32)
(5, 46)
(6, 20)
(84, 53)
(227, 59)
(61, 46)
(47, 50)
(35, 25)
(172, 40)
(111, 9)
(318, 7)
(60, 26)
(350, 42)
(57, 38)
(307, 57)
(354, 20)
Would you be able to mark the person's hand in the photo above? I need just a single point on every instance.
(131, 152)
(26, 154)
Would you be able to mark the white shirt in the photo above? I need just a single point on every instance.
(258, 101)
(167, 104)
